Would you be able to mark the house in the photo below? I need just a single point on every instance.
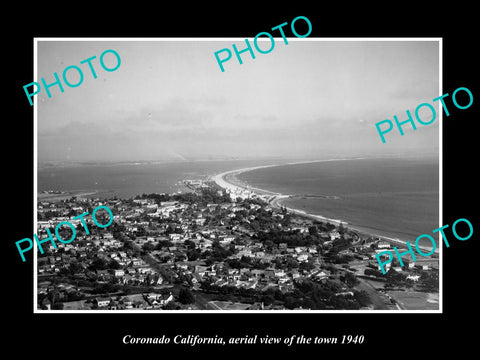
(257, 272)
(118, 272)
(267, 258)
(181, 266)
(422, 266)
(300, 249)
(245, 252)
(128, 279)
(413, 277)
(244, 271)
(102, 301)
(334, 235)
(137, 262)
(221, 282)
(200, 270)
(205, 244)
(168, 203)
(127, 303)
(158, 299)
(227, 240)
(383, 245)
(295, 274)
(200, 221)
(301, 229)
(165, 299)
(312, 250)
(269, 273)
(175, 237)
(302, 257)
(232, 271)
(102, 273)
(44, 224)
(279, 272)
(321, 275)
(131, 270)
(144, 269)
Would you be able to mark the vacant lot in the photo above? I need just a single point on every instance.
(414, 300)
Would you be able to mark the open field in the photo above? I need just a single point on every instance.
(415, 300)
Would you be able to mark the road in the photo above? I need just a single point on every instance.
(200, 301)
(150, 260)
(379, 300)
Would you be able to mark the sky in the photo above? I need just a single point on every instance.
(169, 100)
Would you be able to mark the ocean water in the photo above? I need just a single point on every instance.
(126, 180)
(398, 198)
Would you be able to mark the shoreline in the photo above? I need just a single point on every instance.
(45, 196)
(228, 180)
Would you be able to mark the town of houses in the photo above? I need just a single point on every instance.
(160, 244)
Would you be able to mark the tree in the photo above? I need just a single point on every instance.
(185, 296)
(255, 225)
(99, 264)
(148, 247)
(429, 281)
(172, 305)
(350, 279)
(57, 306)
(75, 268)
(394, 278)
(362, 297)
(189, 244)
(291, 264)
(113, 264)
(163, 244)
(313, 230)
(194, 254)
(306, 266)
(372, 272)
(269, 244)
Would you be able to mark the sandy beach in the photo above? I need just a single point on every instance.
(228, 180)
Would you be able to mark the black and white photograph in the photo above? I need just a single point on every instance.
(290, 182)
(265, 187)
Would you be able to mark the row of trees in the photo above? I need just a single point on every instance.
(429, 280)
(202, 196)
(103, 264)
(306, 294)
(292, 238)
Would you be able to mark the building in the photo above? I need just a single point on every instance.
(118, 272)
(383, 245)
(102, 302)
